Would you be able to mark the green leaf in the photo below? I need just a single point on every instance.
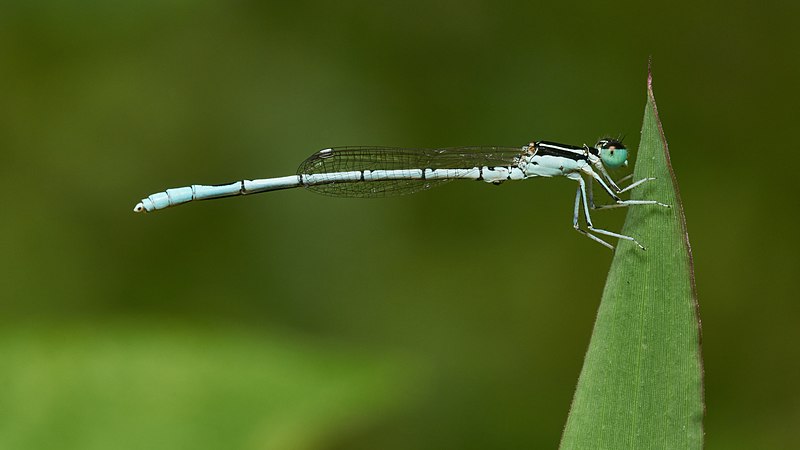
(150, 385)
(641, 385)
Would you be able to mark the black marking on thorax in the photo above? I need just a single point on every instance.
(561, 150)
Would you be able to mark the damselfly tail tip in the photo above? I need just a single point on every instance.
(139, 207)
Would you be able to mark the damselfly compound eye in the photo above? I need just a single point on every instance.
(613, 153)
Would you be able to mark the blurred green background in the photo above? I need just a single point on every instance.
(456, 318)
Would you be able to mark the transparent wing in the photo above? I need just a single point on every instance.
(346, 159)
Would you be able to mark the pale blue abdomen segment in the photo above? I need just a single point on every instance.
(176, 196)
(366, 172)
(168, 198)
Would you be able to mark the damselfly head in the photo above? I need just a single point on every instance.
(612, 152)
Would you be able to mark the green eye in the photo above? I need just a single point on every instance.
(614, 157)
(612, 152)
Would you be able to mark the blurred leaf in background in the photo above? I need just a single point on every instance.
(139, 385)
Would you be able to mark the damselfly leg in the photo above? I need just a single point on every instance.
(577, 226)
(619, 203)
(581, 197)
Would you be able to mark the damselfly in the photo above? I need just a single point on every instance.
(386, 171)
